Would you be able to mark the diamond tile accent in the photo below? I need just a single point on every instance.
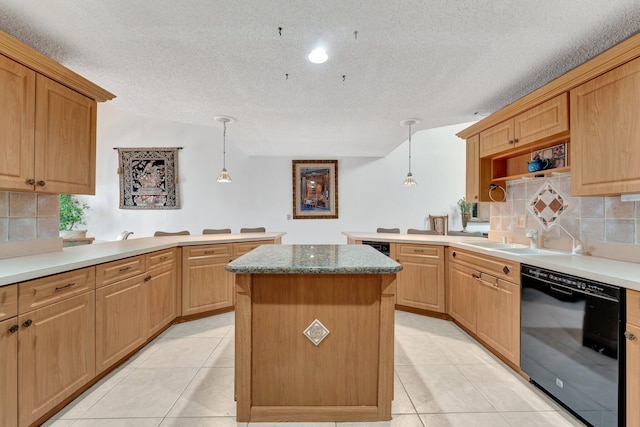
(547, 205)
(316, 332)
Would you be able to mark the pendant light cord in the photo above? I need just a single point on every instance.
(409, 148)
(224, 146)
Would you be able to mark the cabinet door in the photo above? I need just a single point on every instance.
(206, 285)
(462, 295)
(473, 169)
(543, 121)
(497, 138)
(633, 376)
(605, 131)
(121, 320)
(65, 141)
(162, 297)
(420, 284)
(9, 372)
(56, 354)
(17, 115)
(498, 316)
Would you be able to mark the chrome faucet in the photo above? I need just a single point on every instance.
(575, 249)
(533, 236)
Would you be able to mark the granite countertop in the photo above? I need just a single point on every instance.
(314, 259)
(19, 269)
(618, 273)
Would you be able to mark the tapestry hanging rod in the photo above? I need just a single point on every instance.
(137, 148)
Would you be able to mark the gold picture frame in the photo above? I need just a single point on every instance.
(315, 189)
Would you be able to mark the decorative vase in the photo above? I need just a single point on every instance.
(465, 219)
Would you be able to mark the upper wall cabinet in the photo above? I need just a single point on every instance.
(605, 133)
(47, 123)
(534, 125)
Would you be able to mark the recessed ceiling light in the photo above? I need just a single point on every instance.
(318, 56)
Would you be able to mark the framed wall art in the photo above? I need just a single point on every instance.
(315, 189)
(148, 178)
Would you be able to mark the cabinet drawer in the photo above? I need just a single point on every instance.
(633, 307)
(245, 247)
(426, 251)
(48, 290)
(498, 267)
(8, 301)
(114, 271)
(207, 251)
(160, 258)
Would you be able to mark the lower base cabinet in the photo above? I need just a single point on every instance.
(632, 335)
(56, 354)
(420, 284)
(162, 289)
(484, 297)
(9, 372)
(121, 320)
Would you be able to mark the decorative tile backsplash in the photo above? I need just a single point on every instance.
(536, 203)
(28, 216)
(547, 205)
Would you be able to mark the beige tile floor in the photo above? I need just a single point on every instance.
(184, 378)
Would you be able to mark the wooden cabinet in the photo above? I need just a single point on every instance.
(48, 134)
(473, 169)
(162, 286)
(56, 354)
(8, 301)
(484, 297)
(9, 372)
(17, 125)
(605, 131)
(498, 315)
(537, 124)
(462, 295)
(121, 320)
(420, 284)
(632, 335)
(65, 139)
(206, 285)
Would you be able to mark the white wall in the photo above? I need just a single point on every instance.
(370, 194)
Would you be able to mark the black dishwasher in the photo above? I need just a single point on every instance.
(571, 343)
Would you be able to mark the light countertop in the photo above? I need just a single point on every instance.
(618, 273)
(13, 270)
(314, 259)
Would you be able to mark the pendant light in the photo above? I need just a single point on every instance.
(409, 181)
(224, 176)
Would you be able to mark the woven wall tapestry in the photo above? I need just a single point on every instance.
(148, 178)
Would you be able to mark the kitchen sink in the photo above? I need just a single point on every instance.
(496, 245)
(531, 251)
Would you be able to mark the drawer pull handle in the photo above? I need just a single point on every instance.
(505, 269)
(13, 329)
(68, 285)
(128, 267)
(31, 181)
(27, 323)
(162, 258)
(419, 250)
(146, 279)
(209, 252)
(629, 335)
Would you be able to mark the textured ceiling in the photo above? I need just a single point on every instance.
(438, 60)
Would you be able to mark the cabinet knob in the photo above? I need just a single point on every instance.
(146, 279)
(475, 276)
(454, 254)
(511, 141)
(13, 329)
(31, 181)
(629, 335)
(41, 183)
(27, 323)
(515, 141)
(505, 270)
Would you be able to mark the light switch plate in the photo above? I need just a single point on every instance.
(521, 221)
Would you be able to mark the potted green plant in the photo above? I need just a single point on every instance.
(72, 215)
(465, 212)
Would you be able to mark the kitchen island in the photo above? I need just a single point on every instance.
(314, 333)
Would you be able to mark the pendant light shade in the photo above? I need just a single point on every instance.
(224, 176)
(409, 181)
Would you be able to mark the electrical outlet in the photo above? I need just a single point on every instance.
(521, 221)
